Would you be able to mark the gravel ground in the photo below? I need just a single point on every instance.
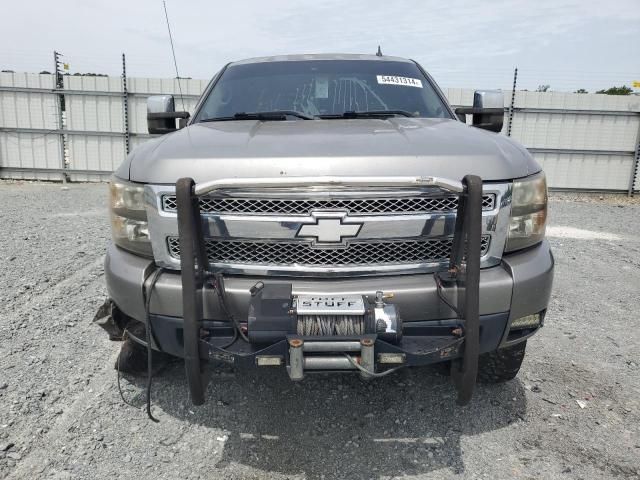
(573, 412)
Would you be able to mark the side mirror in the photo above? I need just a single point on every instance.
(162, 115)
(487, 111)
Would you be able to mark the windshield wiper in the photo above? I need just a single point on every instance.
(369, 114)
(263, 116)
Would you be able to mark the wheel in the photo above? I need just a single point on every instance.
(501, 365)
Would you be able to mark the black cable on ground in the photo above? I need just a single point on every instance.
(124, 337)
(154, 278)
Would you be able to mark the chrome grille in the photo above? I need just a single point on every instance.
(391, 252)
(354, 206)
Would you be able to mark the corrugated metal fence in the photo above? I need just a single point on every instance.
(584, 141)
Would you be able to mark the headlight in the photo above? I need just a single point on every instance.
(528, 212)
(129, 218)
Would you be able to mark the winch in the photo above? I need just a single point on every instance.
(274, 313)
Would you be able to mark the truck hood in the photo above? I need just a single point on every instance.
(372, 147)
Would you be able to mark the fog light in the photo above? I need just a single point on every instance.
(530, 321)
(396, 358)
(269, 360)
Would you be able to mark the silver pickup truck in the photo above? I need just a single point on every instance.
(326, 213)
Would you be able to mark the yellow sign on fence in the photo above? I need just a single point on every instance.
(636, 84)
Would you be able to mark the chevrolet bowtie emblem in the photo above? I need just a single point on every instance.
(329, 228)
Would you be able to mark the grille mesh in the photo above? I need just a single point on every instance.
(354, 206)
(356, 254)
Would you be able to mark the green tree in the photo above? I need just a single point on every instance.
(581, 90)
(623, 90)
(543, 88)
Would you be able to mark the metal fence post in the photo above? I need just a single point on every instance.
(513, 100)
(633, 185)
(60, 105)
(125, 105)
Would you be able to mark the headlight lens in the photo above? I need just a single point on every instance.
(528, 212)
(129, 218)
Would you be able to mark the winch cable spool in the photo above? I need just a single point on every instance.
(331, 325)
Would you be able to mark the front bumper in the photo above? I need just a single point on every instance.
(519, 286)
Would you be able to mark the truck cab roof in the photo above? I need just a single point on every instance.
(321, 56)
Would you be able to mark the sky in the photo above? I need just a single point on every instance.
(567, 44)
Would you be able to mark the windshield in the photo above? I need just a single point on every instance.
(318, 88)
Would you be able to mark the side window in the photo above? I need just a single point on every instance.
(203, 102)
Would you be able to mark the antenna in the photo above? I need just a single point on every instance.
(379, 52)
(173, 51)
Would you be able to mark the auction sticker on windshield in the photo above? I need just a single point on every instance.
(403, 81)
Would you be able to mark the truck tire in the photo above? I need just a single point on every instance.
(501, 365)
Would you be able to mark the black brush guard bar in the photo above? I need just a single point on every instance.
(463, 270)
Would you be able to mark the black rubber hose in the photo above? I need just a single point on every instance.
(220, 290)
(154, 278)
(124, 338)
(443, 297)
